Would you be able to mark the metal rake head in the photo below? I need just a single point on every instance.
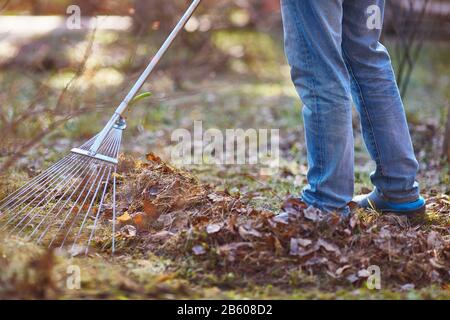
(67, 203)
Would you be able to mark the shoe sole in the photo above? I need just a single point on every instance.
(412, 214)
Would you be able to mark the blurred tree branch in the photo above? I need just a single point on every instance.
(4, 5)
(59, 117)
(446, 146)
(409, 37)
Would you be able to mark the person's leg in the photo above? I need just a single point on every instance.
(313, 42)
(378, 101)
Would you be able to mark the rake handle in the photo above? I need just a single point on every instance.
(144, 76)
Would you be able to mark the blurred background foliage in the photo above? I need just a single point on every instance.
(228, 69)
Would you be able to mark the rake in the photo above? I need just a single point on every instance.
(65, 204)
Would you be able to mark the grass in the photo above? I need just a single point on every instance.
(254, 92)
(29, 272)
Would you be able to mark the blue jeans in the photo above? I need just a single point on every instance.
(335, 56)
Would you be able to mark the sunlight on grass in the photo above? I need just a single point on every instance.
(7, 51)
(260, 51)
(61, 79)
(107, 77)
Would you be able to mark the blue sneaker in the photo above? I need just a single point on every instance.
(376, 202)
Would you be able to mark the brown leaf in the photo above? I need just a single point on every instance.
(247, 232)
(313, 214)
(354, 221)
(214, 197)
(303, 242)
(107, 211)
(153, 158)
(340, 270)
(296, 249)
(235, 246)
(282, 219)
(162, 235)
(434, 240)
(293, 205)
(150, 210)
(328, 246)
(141, 220)
(436, 263)
(385, 233)
(124, 218)
(128, 231)
(232, 223)
(279, 250)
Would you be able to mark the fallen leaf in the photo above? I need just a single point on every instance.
(153, 158)
(293, 205)
(247, 232)
(296, 249)
(118, 176)
(231, 250)
(279, 250)
(214, 228)
(283, 219)
(434, 240)
(328, 246)
(385, 233)
(162, 235)
(340, 270)
(436, 263)
(313, 214)
(153, 190)
(124, 218)
(76, 250)
(214, 197)
(354, 221)
(150, 210)
(352, 278)
(198, 250)
(141, 220)
(363, 273)
(128, 231)
(303, 242)
(407, 287)
(232, 223)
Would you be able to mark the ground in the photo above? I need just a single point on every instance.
(246, 85)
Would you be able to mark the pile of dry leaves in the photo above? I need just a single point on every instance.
(167, 211)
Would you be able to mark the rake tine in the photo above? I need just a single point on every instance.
(88, 211)
(49, 192)
(54, 192)
(94, 169)
(113, 250)
(98, 211)
(6, 201)
(62, 207)
(84, 166)
(82, 205)
(33, 193)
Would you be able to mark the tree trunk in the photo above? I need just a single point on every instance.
(446, 151)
